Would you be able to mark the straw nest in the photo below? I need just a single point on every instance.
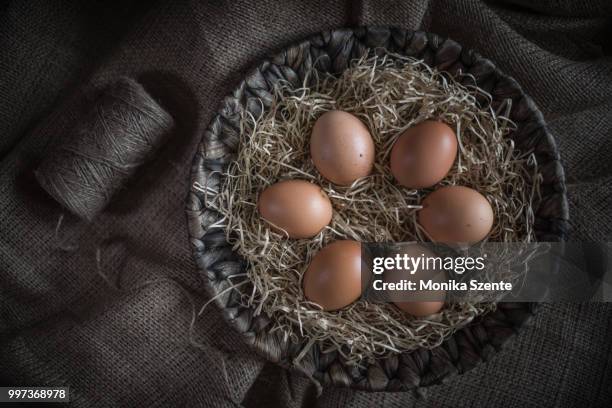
(389, 94)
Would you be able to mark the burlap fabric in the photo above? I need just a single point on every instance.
(62, 323)
(332, 51)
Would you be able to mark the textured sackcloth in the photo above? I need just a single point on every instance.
(62, 323)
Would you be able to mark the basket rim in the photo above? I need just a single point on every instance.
(471, 344)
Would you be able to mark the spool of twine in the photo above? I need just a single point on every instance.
(123, 129)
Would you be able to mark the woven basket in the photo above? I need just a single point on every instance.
(331, 52)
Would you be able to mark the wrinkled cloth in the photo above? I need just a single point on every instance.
(106, 307)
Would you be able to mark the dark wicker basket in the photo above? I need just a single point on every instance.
(331, 52)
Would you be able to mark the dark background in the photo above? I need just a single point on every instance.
(61, 323)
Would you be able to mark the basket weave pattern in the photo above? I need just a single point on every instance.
(331, 52)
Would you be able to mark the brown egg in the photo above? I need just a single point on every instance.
(416, 303)
(299, 208)
(341, 147)
(333, 279)
(420, 309)
(424, 154)
(456, 214)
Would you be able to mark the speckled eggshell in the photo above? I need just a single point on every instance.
(341, 147)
